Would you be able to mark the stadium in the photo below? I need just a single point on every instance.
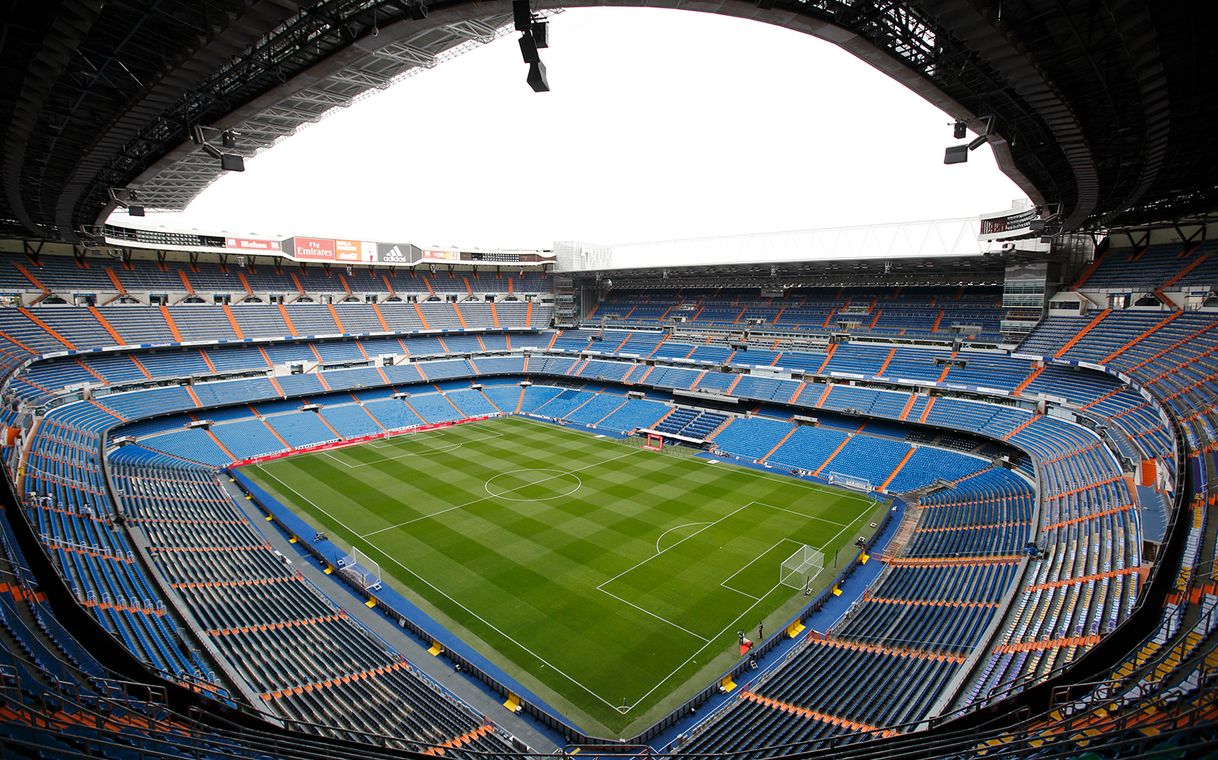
(940, 489)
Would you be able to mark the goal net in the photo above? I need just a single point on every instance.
(362, 569)
(800, 568)
(851, 481)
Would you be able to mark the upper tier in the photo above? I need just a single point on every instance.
(923, 313)
(68, 276)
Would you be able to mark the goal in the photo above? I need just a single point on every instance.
(360, 568)
(851, 481)
(654, 442)
(800, 568)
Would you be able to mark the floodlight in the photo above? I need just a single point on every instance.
(537, 77)
(229, 162)
(528, 49)
(956, 154)
(522, 17)
(125, 198)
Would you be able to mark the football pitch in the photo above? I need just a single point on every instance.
(609, 579)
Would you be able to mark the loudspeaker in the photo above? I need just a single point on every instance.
(541, 34)
(960, 130)
(528, 49)
(521, 17)
(537, 77)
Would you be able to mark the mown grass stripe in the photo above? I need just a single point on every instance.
(522, 576)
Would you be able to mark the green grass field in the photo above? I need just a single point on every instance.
(609, 579)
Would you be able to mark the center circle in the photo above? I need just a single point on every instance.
(542, 484)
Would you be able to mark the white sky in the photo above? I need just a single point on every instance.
(661, 124)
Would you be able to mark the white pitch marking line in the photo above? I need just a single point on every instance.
(442, 448)
(736, 620)
(810, 486)
(491, 496)
(601, 588)
(642, 562)
(579, 484)
(493, 627)
(486, 622)
(695, 654)
(654, 615)
(748, 564)
(801, 514)
(676, 527)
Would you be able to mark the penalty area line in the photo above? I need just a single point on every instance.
(373, 547)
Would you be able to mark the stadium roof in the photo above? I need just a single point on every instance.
(1103, 108)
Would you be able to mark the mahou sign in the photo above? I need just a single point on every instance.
(251, 244)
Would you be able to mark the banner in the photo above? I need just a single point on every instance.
(348, 250)
(396, 253)
(250, 244)
(312, 249)
(441, 255)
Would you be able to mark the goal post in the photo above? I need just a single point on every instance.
(801, 567)
(362, 569)
(655, 442)
(851, 481)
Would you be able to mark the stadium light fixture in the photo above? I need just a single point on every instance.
(534, 35)
(229, 162)
(125, 198)
(958, 154)
(522, 16)
(955, 154)
(528, 49)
